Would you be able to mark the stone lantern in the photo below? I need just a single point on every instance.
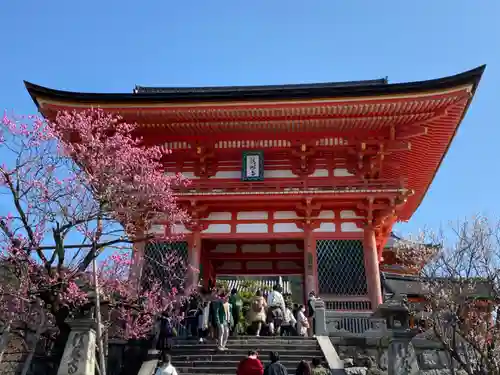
(395, 312)
(400, 355)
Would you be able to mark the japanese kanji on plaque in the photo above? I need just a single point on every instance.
(253, 166)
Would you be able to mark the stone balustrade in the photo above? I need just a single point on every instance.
(366, 344)
(346, 323)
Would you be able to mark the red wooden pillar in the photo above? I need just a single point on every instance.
(310, 263)
(205, 260)
(194, 258)
(372, 267)
(213, 275)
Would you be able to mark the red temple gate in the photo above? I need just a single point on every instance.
(295, 179)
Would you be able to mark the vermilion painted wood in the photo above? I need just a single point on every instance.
(392, 145)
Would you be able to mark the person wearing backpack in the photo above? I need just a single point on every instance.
(276, 310)
(167, 332)
(257, 313)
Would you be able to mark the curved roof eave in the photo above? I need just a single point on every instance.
(251, 93)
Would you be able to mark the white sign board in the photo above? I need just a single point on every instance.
(253, 166)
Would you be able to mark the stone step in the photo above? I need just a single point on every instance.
(270, 338)
(250, 345)
(228, 357)
(244, 351)
(249, 342)
(225, 373)
(193, 358)
(256, 339)
(288, 363)
(215, 370)
(247, 347)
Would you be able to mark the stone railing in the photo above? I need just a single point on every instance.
(352, 323)
(343, 305)
(368, 345)
(346, 323)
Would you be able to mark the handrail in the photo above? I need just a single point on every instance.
(149, 366)
(290, 183)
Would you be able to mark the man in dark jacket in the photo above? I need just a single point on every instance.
(275, 368)
(310, 312)
(236, 306)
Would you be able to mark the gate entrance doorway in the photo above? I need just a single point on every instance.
(264, 262)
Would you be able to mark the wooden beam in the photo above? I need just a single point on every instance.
(271, 272)
(255, 256)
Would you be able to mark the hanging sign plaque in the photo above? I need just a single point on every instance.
(252, 166)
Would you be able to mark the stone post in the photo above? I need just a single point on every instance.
(79, 354)
(401, 356)
(320, 318)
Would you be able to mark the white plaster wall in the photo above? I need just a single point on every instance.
(285, 215)
(279, 174)
(256, 248)
(252, 228)
(326, 227)
(180, 228)
(326, 215)
(252, 215)
(219, 216)
(349, 214)
(190, 175)
(286, 228)
(341, 172)
(218, 228)
(320, 173)
(157, 229)
(350, 227)
(227, 174)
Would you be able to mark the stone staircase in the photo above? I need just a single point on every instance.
(190, 357)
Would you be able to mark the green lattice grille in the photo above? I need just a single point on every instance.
(341, 269)
(166, 262)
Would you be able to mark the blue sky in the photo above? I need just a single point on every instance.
(112, 45)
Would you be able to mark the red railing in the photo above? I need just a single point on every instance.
(290, 184)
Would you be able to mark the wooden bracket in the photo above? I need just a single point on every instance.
(197, 211)
(205, 162)
(303, 160)
(307, 209)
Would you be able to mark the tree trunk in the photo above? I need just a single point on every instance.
(31, 353)
(4, 338)
(62, 337)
